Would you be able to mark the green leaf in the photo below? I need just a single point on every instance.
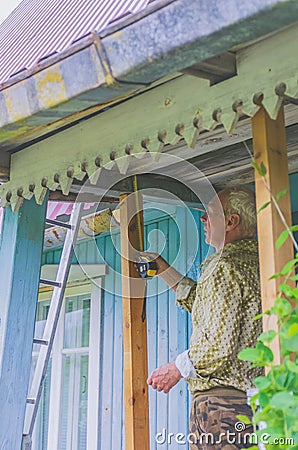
(259, 316)
(263, 207)
(263, 169)
(263, 399)
(255, 166)
(294, 228)
(282, 400)
(249, 354)
(266, 353)
(265, 313)
(290, 344)
(282, 308)
(267, 336)
(262, 383)
(276, 275)
(292, 366)
(282, 239)
(281, 380)
(244, 419)
(288, 334)
(288, 267)
(288, 290)
(281, 193)
(293, 330)
(294, 277)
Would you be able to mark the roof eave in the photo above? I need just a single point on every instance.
(125, 58)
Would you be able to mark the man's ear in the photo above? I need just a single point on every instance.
(232, 222)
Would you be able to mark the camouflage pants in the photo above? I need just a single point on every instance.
(213, 422)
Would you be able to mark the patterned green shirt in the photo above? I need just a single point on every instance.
(223, 304)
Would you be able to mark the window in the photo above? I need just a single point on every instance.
(68, 411)
(74, 398)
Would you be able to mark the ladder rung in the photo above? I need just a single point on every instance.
(53, 316)
(40, 341)
(50, 282)
(58, 223)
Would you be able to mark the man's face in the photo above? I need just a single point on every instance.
(214, 222)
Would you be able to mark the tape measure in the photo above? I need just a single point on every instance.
(147, 268)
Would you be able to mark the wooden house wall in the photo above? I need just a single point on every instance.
(168, 328)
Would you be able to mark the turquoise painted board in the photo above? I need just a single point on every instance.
(168, 329)
(20, 258)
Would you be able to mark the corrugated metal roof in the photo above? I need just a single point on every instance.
(39, 28)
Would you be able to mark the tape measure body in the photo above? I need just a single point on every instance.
(147, 268)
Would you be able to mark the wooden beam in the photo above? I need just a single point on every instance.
(134, 330)
(215, 69)
(20, 260)
(269, 142)
(4, 166)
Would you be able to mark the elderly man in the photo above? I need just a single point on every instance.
(223, 304)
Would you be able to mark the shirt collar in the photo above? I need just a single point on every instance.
(247, 245)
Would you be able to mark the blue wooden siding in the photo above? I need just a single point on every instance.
(169, 327)
(20, 255)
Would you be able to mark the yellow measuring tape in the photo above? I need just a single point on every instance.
(139, 223)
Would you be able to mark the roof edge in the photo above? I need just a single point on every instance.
(131, 55)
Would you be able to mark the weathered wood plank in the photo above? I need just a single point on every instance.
(269, 141)
(20, 259)
(134, 331)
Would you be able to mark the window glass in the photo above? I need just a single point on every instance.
(73, 416)
(77, 322)
(74, 376)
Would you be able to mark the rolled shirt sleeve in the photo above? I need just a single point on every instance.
(185, 366)
(186, 293)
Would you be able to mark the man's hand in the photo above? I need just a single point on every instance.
(165, 377)
(162, 264)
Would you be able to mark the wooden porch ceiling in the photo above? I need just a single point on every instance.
(222, 158)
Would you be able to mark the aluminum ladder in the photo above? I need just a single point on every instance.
(46, 343)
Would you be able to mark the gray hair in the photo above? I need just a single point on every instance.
(241, 200)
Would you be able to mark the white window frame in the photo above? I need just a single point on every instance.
(95, 289)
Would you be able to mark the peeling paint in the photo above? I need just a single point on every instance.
(50, 87)
(145, 115)
(17, 103)
(6, 135)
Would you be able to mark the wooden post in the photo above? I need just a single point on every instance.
(20, 259)
(134, 330)
(269, 142)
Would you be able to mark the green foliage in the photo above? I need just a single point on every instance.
(276, 403)
(281, 193)
(261, 169)
(282, 238)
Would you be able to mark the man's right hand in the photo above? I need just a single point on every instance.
(165, 377)
(164, 270)
(162, 264)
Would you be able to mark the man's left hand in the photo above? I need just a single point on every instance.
(165, 377)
